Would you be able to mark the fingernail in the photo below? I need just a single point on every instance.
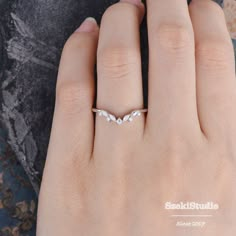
(89, 25)
(135, 2)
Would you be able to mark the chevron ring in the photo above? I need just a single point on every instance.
(127, 118)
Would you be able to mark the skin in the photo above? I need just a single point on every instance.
(104, 179)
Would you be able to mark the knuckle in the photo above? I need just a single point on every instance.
(179, 141)
(214, 54)
(173, 37)
(118, 62)
(73, 97)
(177, 145)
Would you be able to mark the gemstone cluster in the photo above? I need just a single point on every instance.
(127, 118)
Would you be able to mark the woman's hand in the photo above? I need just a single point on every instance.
(106, 179)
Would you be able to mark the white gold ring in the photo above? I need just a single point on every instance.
(112, 118)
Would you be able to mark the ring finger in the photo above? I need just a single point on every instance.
(119, 87)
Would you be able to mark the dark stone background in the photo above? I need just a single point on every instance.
(32, 34)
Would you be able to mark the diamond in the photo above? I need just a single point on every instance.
(135, 113)
(104, 113)
(119, 121)
(113, 118)
(130, 119)
(126, 118)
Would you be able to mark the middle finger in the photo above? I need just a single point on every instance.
(172, 84)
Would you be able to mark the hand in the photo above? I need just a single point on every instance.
(106, 179)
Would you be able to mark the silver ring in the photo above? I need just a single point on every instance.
(112, 118)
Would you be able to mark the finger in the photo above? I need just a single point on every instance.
(216, 88)
(73, 125)
(172, 91)
(119, 88)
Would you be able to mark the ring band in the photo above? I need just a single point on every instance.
(112, 118)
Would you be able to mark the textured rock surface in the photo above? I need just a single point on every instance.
(32, 34)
